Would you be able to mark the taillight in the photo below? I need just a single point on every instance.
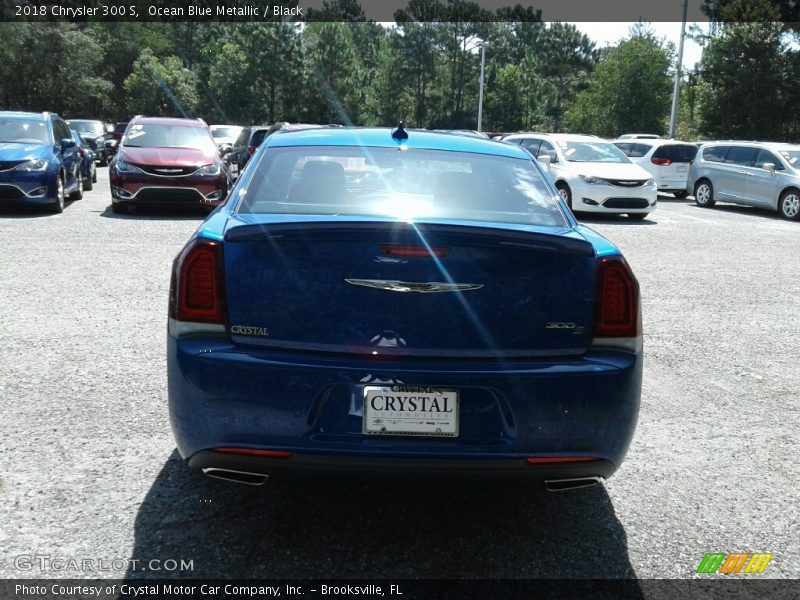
(197, 290)
(617, 309)
(663, 162)
(252, 149)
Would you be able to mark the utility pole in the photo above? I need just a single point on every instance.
(676, 90)
(480, 91)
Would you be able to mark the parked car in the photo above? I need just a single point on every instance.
(251, 138)
(39, 161)
(447, 315)
(114, 138)
(244, 147)
(639, 136)
(167, 162)
(761, 174)
(225, 136)
(591, 174)
(88, 168)
(95, 134)
(666, 160)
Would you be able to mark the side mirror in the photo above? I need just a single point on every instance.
(67, 143)
(768, 167)
(544, 161)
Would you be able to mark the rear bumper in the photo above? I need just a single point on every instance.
(224, 396)
(220, 464)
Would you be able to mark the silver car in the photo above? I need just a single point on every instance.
(760, 174)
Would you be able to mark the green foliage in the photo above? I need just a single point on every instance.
(629, 91)
(161, 87)
(749, 83)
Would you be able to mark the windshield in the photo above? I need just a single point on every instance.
(411, 185)
(593, 152)
(24, 131)
(152, 135)
(91, 127)
(792, 157)
(226, 132)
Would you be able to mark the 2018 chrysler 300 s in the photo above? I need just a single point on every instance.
(401, 302)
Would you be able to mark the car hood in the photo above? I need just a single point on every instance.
(163, 157)
(610, 170)
(15, 151)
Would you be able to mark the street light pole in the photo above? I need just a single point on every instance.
(676, 90)
(480, 92)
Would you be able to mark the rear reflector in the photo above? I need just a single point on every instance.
(197, 293)
(547, 460)
(664, 162)
(617, 310)
(254, 452)
(414, 251)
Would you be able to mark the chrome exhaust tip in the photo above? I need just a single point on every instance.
(564, 485)
(236, 476)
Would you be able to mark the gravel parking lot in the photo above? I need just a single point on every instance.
(88, 467)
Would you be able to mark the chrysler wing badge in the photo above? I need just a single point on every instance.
(413, 286)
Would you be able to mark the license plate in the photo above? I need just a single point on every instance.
(682, 169)
(410, 410)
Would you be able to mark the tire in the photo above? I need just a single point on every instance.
(565, 193)
(681, 194)
(704, 194)
(789, 205)
(637, 216)
(78, 193)
(119, 209)
(94, 176)
(58, 206)
(104, 161)
(88, 184)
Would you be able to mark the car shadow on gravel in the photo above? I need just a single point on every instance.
(621, 219)
(751, 211)
(357, 529)
(29, 212)
(156, 213)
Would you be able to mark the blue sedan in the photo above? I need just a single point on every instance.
(401, 302)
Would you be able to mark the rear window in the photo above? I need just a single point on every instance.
(603, 152)
(258, 137)
(633, 150)
(411, 185)
(715, 153)
(677, 153)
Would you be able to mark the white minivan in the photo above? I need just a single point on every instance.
(591, 174)
(667, 161)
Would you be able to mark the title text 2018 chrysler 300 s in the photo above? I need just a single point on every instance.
(392, 301)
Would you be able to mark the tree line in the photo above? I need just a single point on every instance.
(538, 76)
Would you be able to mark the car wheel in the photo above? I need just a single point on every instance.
(119, 209)
(704, 194)
(565, 193)
(94, 176)
(88, 184)
(58, 205)
(681, 195)
(78, 193)
(637, 216)
(104, 161)
(789, 205)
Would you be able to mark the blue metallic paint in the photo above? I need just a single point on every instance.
(223, 394)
